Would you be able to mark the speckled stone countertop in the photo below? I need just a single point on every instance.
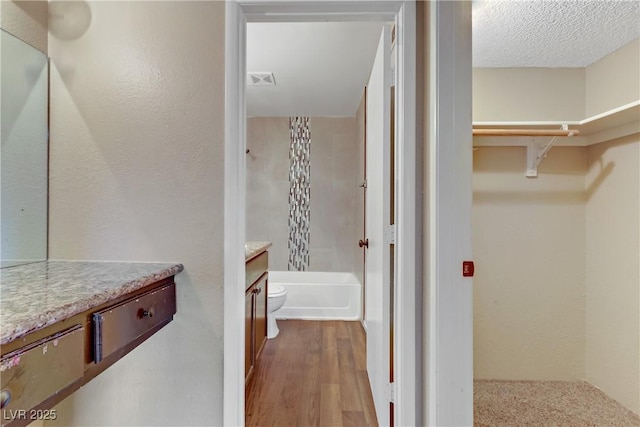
(253, 249)
(37, 295)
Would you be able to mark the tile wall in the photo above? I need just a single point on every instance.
(299, 193)
(333, 176)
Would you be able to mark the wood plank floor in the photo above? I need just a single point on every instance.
(312, 374)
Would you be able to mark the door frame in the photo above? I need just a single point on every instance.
(408, 335)
(448, 342)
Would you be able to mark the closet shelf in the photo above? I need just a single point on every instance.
(612, 124)
(535, 136)
(525, 132)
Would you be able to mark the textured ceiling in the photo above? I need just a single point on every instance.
(551, 33)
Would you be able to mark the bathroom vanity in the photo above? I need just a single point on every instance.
(64, 322)
(256, 293)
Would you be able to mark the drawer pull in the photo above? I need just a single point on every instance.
(146, 313)
(5, 397)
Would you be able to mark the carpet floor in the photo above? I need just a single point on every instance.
(499, 403)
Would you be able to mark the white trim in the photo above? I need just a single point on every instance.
(524, 141)
(606, 114)
(613, 133)
(529, 123)
(407, 408)
(430, 273)
(611, 112)
(612, 124)
(237, 14)
(321, 11)
(450, 314)
(234, 216)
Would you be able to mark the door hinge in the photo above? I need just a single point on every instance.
(391, 77)
(390, 234)
(391, 392)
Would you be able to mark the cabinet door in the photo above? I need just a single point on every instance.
(248, 333)
(261, 294)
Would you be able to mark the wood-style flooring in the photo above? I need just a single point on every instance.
(312, 374)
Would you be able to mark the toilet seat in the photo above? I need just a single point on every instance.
(276, 290)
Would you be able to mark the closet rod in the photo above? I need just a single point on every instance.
(525, 132)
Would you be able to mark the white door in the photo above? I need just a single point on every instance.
(377, 300)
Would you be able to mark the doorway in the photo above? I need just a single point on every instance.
(238, 15)
(304, 91)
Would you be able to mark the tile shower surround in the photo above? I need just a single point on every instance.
(333, 190)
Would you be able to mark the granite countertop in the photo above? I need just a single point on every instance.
(253, 249)
(37, 295)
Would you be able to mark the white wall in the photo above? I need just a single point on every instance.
(531, 94)
(137, 122)
(27, 20)
(613, 81)
(528, 243)
(523, 94)
(613, 269)
(333, 189)
(268, 186)
(333, 194)
(528, 234)
(613, 235)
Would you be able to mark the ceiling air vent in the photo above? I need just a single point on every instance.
(261, 79)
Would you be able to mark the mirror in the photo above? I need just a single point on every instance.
(24, 152)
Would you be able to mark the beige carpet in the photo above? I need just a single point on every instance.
(546, 403)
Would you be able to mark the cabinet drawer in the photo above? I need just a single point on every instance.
(115, 327)
(37, 371)
(256, 268)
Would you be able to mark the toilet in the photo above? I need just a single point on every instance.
(276, 298)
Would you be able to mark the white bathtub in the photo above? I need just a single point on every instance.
(318, 295)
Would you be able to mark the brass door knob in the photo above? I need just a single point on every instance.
(364, 243)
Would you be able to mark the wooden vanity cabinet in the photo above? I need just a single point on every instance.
(260, 315)
(256, 295)
(42, 368)
(248, 334)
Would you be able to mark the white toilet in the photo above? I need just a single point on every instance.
(275, 300)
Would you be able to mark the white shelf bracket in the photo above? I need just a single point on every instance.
(536, 152)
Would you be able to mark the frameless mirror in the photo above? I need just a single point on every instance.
(24, 152)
